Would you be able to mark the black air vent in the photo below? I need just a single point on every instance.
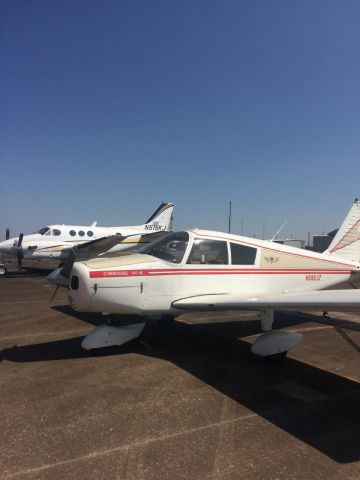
(74, 282)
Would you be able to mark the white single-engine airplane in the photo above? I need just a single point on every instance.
(199, 270)
(56, 241)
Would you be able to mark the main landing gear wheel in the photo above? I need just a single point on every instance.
(166, 321)
(276, 358)
(273, 346)
(3, 270)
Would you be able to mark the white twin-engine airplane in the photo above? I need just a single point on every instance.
(199, 270)
(56, 241)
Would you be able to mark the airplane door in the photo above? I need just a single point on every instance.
(244, 260)
(207, 268)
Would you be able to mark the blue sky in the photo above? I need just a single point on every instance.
(109, 107)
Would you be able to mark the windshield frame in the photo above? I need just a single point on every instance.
(154, 248)
(43, 231)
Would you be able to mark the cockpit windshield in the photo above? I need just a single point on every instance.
(170, 247)
(43, 231)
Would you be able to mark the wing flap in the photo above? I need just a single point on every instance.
(322, 299)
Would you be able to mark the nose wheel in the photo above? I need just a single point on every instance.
(3, 270)
(108, 336)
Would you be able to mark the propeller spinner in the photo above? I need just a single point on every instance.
(60, 276)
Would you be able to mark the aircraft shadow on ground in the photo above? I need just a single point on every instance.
(325, 415)
(96, 319)
(28, 272)
(242, 328)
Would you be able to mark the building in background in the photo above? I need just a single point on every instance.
(322, 242)
(292, 242)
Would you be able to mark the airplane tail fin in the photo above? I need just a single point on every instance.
(161, 219)
(346, 243)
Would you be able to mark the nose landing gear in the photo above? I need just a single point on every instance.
(109, 335)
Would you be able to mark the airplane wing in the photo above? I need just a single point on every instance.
(144, 238)
(322, 299)
(133, 243)
(91, 249)
(94, 248)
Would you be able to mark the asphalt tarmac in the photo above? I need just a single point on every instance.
(182, 402)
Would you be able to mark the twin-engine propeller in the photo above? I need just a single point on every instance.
(19, 251)
(17, 248)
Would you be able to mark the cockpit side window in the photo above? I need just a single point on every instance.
(44, 231)
(242, 254)
(204, 252)
(170, 247)
(56, 232)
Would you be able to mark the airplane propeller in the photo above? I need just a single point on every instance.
(54, 294)
(68, 263)
(60, 276)
(19, 251)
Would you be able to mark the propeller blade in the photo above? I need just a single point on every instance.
(21, 236)
(68, 264)
(61, 275)
(54, 294)
(56, 278)
(19, 257)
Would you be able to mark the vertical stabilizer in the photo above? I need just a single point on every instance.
(346, 243)
(161, 219)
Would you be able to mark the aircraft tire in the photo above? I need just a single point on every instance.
(3, 270)
(276, 358)
(166, 320)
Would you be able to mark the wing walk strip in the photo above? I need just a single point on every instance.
(254, 271)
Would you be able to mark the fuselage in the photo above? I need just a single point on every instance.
(52, 242)
(185, 264)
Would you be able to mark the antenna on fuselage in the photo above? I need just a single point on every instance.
(7, 234)
(278, 231)
(229, 217)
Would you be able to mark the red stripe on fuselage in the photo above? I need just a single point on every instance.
(245, 271)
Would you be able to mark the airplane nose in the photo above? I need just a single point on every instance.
(6, 245)
(79, 287)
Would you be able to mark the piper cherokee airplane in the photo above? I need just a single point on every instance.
(200, 270)
(56, 241)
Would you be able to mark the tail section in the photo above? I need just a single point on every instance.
(161, 219)
(346, 243)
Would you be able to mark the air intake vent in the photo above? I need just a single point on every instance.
(74, 282)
